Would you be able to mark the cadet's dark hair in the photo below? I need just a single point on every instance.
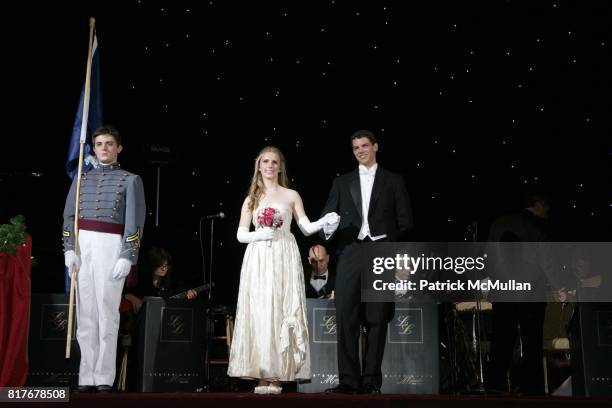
(106, 130)
(364, 133)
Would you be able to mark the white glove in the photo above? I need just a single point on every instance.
(262, 234)
(122, 269)
(332, 219)
(71, 258)
(309, 228)
(331, 225)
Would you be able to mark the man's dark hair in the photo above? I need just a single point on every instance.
(364, 133)
(106, 130)
(532, 199)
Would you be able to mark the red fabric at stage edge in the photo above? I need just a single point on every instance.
(15, 290)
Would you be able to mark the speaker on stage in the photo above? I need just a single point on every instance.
(411, 360)
(591, 335)
(47, 344)
(321, 316)
(171, 346)
(410, 363)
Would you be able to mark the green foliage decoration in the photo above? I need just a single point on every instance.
(12, 235)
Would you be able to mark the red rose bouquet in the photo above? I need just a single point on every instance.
(269, 218)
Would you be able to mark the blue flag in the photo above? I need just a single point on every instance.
(94, 121)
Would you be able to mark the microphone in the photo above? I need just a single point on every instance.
(212, 216)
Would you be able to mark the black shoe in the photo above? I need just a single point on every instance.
(104, 388)
(85, 388)
(370, 389)
(342, 389)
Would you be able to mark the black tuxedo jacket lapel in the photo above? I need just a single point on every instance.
(355, 187)
(379, 179)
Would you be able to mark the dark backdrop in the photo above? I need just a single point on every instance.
(475, 102)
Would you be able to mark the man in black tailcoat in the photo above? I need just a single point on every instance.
(374, 206)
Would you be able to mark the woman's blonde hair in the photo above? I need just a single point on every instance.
(257, 188)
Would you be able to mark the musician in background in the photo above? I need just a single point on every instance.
(319, 279)
(155, 279)
(520, 314)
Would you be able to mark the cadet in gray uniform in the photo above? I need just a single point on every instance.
(111, 220)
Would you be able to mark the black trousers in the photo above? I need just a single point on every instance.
(350, 313)
(506, 319)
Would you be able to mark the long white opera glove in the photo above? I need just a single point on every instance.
(122, 269)
(71, 258)
(262, 234)
(309, 228)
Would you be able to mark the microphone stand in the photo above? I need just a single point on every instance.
(207, 334)
(210, 320)
(210, 257)
(476, 319)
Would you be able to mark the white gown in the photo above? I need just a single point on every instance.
(271, 336)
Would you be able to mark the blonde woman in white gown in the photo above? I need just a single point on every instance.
(270, 342)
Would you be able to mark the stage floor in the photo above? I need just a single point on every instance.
(299, 400)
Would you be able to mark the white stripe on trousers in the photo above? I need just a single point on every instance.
(98, 298)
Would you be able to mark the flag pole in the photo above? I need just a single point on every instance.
(84, 121)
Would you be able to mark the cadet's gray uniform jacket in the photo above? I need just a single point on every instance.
(111, 200)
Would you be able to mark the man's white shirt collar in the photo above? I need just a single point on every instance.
(364, 171)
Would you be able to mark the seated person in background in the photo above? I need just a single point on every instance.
(587, 277)
(155, 279)
(319, 281)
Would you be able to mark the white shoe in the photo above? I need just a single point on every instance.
(261, 389)
(274, 389)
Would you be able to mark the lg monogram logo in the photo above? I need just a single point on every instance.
(405, 327)
(58, 321)
(177, 324)
(329, 323)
